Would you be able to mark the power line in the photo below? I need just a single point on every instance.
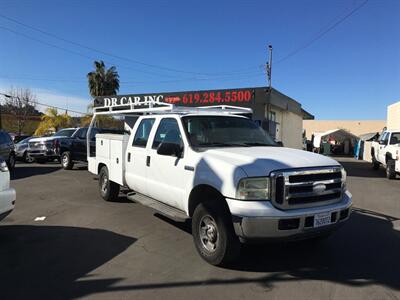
(46, 105)
(322, 33)
(119, 56)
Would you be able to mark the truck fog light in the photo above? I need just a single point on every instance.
(253, 189)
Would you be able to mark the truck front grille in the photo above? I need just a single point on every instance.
(309, 187)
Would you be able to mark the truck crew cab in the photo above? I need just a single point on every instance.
(222, 171)
(386, 152)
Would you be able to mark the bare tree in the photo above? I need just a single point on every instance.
(20, 104)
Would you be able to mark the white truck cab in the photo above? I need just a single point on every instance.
(221, 170)
(386, 152)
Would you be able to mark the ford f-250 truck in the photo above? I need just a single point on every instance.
(222, 171)
(386, 152)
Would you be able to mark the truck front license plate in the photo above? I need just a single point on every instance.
(322, 219)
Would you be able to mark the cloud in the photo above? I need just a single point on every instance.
(55, 98)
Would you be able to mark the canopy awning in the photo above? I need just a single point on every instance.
(336, 134)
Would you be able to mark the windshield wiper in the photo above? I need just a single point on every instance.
(216, 144)
(257, 144)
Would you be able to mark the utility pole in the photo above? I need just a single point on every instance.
(269, 67)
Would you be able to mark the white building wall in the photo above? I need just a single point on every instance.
(292, 130)
(393, 116)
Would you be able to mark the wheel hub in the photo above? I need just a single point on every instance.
(208, 233)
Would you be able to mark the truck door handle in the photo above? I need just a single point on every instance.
(129, 156)
(148, 161)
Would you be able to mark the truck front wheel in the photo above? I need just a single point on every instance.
(390, 169)
(108, 190)
(66, 160)
(375, 164)
(213, 234)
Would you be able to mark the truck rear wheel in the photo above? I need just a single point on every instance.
(109, 190)
(66, 160)
(390, 169)
(213, 234)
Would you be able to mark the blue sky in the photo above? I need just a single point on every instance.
(351, 72)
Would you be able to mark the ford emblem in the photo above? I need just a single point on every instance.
(319, 188)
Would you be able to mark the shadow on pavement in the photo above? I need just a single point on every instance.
(365, 251)
(362, 169)
(28, 170)
(52, 262)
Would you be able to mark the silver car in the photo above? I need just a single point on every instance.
(21, 150)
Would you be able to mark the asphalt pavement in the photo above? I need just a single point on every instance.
(83, 247)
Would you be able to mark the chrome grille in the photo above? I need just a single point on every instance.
(37, 146)
(306, 187)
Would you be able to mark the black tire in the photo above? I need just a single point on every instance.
(66, 160)
(221, 238)
(109, 190)
(390, 169)
(375, 164)
(11, 162)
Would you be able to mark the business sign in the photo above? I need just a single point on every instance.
(238, 97)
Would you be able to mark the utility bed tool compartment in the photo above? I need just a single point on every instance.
(110, 150)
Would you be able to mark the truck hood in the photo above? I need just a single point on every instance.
(260, 161)
(46, 139)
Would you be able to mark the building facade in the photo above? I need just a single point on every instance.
(393, 116)
(356, 127)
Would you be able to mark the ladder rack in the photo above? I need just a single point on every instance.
(156, 107)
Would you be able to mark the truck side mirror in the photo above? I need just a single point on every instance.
(169, 149)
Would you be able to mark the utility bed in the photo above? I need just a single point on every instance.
(110, 150)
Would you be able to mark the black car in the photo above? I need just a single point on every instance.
(7, 149)
(74, 149)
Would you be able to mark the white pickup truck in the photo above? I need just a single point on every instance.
(7, 194)
(386, 152)
(222, 171)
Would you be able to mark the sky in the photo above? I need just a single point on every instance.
(340, 59)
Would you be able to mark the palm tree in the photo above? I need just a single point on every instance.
(52, 121)
(102, 81)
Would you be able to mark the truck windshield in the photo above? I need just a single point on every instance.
(65, 132)
(225, 131)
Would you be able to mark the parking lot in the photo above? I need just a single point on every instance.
(88, 248)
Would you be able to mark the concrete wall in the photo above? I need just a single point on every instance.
(356, 127)
(393, 116)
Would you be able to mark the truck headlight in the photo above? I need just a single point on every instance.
(3, 166)
(253, 189)
(344, 178)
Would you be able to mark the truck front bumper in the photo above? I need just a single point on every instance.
(43, 153)
(260, 220)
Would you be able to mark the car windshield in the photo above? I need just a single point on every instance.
(225, 131)
(65, 132)
(24, 141)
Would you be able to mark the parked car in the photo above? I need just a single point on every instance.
(18, 138)
(7, 194)
(45, 149)
(74, 149)
(386, 152)
(21, 150)
(7, 149)
(223, 172)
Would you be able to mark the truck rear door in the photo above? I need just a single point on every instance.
(136, 157)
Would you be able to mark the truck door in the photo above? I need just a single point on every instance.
(382, 145)
(166, 174)
(79, 145)
(136, 157)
